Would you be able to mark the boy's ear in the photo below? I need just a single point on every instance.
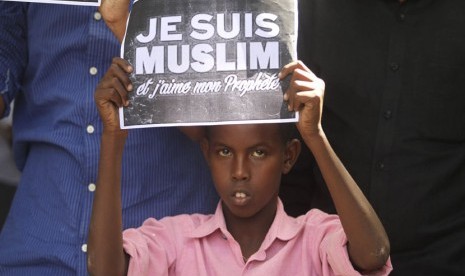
(291, 154)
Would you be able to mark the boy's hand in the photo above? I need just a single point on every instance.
(112, 93)
(305, 94)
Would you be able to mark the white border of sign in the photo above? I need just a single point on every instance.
(209, 123)
(70, 2)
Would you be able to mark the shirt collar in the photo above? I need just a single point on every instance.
(215, 222)
(283, 227)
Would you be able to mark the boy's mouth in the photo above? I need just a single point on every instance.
(240, 198)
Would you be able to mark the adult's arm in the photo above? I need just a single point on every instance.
(368, 244)
(13, 51)
(115, 13)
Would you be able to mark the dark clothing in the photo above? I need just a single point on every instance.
(7, 193)
(395, 115)
(298, 187)
(51, 59)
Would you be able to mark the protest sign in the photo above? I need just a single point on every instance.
(201, 62)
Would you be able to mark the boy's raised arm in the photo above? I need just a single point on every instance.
(115, 13)
(105, 243)
(368, 244)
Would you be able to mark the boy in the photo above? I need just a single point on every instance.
(250, 232)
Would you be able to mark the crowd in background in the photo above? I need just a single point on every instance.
(394, 73)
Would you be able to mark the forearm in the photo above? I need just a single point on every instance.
(105, 245)
(115, 13)
(368, 243)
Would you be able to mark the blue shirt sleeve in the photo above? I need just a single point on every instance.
(13, 49)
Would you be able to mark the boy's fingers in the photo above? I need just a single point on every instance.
(109, 95)
(120, 92)
(290, 95)
(309, 86)
(123, 64)
(115, 94)
(115, 97)
(303, 74)
(115, 71)
(306, 97)
(296, 86)
(291, 67)
(288, 69)
(302, 79)
(122, 69)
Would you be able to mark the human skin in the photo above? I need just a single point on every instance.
(246, 163)
(251, 203)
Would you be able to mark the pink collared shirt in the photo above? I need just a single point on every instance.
(312, 244)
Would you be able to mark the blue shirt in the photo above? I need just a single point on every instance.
(51, 59)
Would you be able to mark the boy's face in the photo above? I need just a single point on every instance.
(246, 163)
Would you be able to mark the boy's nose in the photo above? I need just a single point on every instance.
(240, 171)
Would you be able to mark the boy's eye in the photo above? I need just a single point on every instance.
(258, 153)
(224, 152)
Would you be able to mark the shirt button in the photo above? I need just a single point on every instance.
(387, 114)
(381, 166)
(91, 187)
(84, 248)
(97, 16)
(90, 129)
(93, 71)
(394, 66)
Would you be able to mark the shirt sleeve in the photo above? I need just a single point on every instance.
(13, 49)
(151, 247)
(333, 251)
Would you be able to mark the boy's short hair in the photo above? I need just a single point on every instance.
(288, 131)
